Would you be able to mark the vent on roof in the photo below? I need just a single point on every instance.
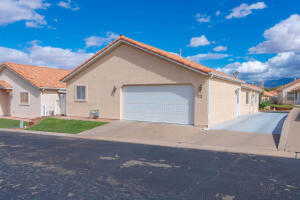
(235, 74)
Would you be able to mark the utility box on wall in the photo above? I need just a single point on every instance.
(94, 114)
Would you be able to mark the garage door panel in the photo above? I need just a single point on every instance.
(172, 104)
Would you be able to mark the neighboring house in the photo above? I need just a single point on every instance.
(250, 99)
(28, 91)
(289, 93)
(134, 81)
(269, 96)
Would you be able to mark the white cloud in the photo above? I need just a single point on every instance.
(244, 9)
(246, 67)
(99, 41)
(13, 55)
(283, 65)
(218, 13)
(207, 56)
(22, 10)
(284, 36)
(68, 4)
(199, 41)
(202, 18)
(44, 55)
(220, 48)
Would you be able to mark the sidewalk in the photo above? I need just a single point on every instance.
(16, 118)
(85, 118)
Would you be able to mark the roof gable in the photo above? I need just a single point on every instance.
(155, 51)
(38, 76)
(288, 85)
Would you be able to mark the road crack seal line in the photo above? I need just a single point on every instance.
(133, 163)
(116, 157)
(46, 166)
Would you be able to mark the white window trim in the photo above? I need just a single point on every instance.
(24, 104)
(86, 93)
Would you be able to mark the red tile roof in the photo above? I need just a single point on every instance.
(270, 93)
(39, 76)
(168, 55)
(287, 85)
(5, 85)
(250, 86)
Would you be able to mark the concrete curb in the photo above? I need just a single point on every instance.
(203, 147)
(38, 132)
(164, 144)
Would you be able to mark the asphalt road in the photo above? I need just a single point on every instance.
(46, 167)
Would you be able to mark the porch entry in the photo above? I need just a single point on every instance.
(5, 98)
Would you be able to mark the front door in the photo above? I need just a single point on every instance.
(5, 103)
(62, 103)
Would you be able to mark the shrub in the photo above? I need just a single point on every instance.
(264, 104)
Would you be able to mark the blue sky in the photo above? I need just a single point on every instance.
(63, 33)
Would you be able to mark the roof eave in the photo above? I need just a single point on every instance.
(20, 76)
(71, 74)
(49, 88)
(166, 58)
(212, 74)
(120, 40)
(81, 66)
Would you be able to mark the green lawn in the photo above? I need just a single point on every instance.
(65, 126)
(9, 123)
(282, 106)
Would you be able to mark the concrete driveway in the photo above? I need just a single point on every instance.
(262, 123)
(184, 136)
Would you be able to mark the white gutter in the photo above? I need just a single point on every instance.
(48, 88)
(212, 75)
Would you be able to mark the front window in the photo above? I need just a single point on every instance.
(290, 96)
(24, 98)
(80, 92)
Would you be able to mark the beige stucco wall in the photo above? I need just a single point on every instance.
(20, 85)
(253, 106)
(222, 101)
(126, 65)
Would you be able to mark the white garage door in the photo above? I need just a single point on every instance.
(168, 103)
